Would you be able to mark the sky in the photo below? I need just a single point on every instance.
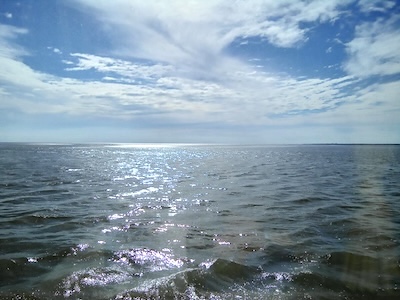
(211, 71)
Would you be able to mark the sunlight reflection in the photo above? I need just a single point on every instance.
(150, 145)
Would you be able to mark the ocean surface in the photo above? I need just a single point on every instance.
(199, 222)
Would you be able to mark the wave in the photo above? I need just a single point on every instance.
(143, 273)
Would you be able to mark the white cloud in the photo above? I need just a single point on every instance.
(67, 62)
(241, 95)
(375, 49)
(8, 48)
(376, 5)
(373, 115)
(8, 15)
(119, 67)
(14, 73)
(244, 96)
(55, 50)
(193, 34)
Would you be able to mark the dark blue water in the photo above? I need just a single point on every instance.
(199, 222)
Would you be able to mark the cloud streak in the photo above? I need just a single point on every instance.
(193, 33)
(375, 48)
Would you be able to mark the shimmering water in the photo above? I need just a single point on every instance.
(199, 222)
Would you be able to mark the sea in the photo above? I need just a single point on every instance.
(174, 221)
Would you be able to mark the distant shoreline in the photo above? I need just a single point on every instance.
(166, 144)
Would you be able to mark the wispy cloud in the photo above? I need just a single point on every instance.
(8, 35)
(193, 33)
(122, 68)
(375, 48)
(242, 97)
(238, 96)
(8, 15)
(55, 50)
(368, 6)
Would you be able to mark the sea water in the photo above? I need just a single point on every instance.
(199, 221)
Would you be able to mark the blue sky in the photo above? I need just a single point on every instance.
(217, 71)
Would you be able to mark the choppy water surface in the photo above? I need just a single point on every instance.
(199, 222)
